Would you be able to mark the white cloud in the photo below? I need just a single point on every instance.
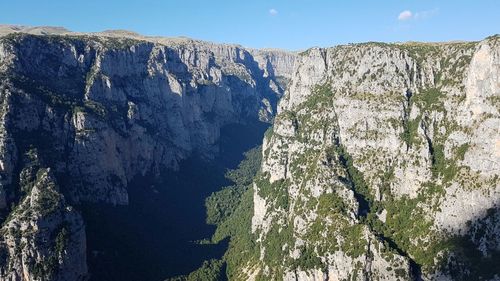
(408, 15)
(273, 12)
(405, 15)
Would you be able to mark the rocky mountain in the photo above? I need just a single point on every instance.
(383, 163)
(84, 114)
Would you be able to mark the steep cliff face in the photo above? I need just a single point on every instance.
(95, 111)
(383, 163)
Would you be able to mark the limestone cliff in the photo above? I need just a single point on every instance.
(383, 164)
(97, 110)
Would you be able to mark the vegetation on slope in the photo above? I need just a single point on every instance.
(231, 210)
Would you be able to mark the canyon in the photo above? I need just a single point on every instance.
(368, 161)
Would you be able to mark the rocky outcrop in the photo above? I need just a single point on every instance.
(382, 164)
(44, 238)
(100, 109)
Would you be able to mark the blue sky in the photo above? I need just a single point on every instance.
(288, 24)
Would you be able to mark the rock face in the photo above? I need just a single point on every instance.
(45, 238)
(383, 164)
(82, 114)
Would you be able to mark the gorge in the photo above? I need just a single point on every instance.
(121, 159)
